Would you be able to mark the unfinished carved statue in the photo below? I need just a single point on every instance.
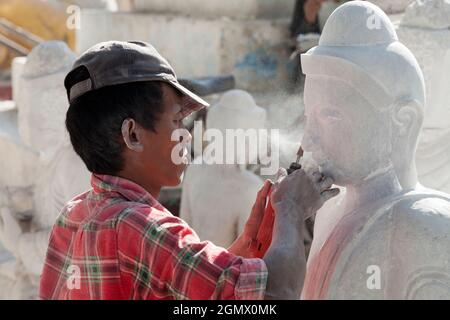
(388, 237)
(425, 30)
(59, 173)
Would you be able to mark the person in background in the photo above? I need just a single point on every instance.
(308, 20)
(310, 15)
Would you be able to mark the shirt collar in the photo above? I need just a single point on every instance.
(126, 188)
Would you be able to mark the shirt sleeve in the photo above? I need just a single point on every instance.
(161, 257)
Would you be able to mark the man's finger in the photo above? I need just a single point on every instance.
(326, 183)
(281, 171)
(328, 194)
(317, 176)
(281, 174)
(258, 209)
(260, 202)
(264, 191)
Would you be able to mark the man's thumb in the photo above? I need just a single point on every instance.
(281, 174)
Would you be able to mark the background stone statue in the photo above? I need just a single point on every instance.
(387, 237)
(217, 198)
(424, 29)
(59, 173)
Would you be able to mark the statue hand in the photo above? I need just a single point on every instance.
(10, 230)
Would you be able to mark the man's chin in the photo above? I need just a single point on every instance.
(175, 180)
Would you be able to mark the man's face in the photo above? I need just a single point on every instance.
(348, 137)
(158, 145)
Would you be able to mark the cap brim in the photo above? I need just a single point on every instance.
(191, 101)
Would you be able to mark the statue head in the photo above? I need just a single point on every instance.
(364, 98)
(42, 98)
(237, 111)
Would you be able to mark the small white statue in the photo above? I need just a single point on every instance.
(388, 237)
(217, 198)
(424, 29)
(430, 14)
(14, 283)
(59, 173)
(392, 6)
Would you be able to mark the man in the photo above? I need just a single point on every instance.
(116, 241)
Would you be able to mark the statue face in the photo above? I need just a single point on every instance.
(349, 138)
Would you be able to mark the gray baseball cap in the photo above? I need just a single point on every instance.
(117, 62)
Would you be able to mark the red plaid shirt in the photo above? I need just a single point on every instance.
(117, 242)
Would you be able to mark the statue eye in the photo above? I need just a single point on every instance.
(331, 114)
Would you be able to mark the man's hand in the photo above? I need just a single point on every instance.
(294, 198)
(10, 230)
(305, 191)
(242, 245)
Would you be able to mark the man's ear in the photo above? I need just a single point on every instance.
(132, 134)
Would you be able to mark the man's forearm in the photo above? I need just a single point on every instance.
(285, 258)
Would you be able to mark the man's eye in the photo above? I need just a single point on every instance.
(178, 122)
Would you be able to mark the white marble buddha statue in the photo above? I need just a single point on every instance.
(387, 237)
(217, 198)
(59, 174)
(425, 30)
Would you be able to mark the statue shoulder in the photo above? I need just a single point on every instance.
(421, 217)
(412, 238)
(421, 224)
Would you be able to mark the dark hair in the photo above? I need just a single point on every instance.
(94, 120)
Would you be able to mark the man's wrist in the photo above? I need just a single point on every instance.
(290, 210)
